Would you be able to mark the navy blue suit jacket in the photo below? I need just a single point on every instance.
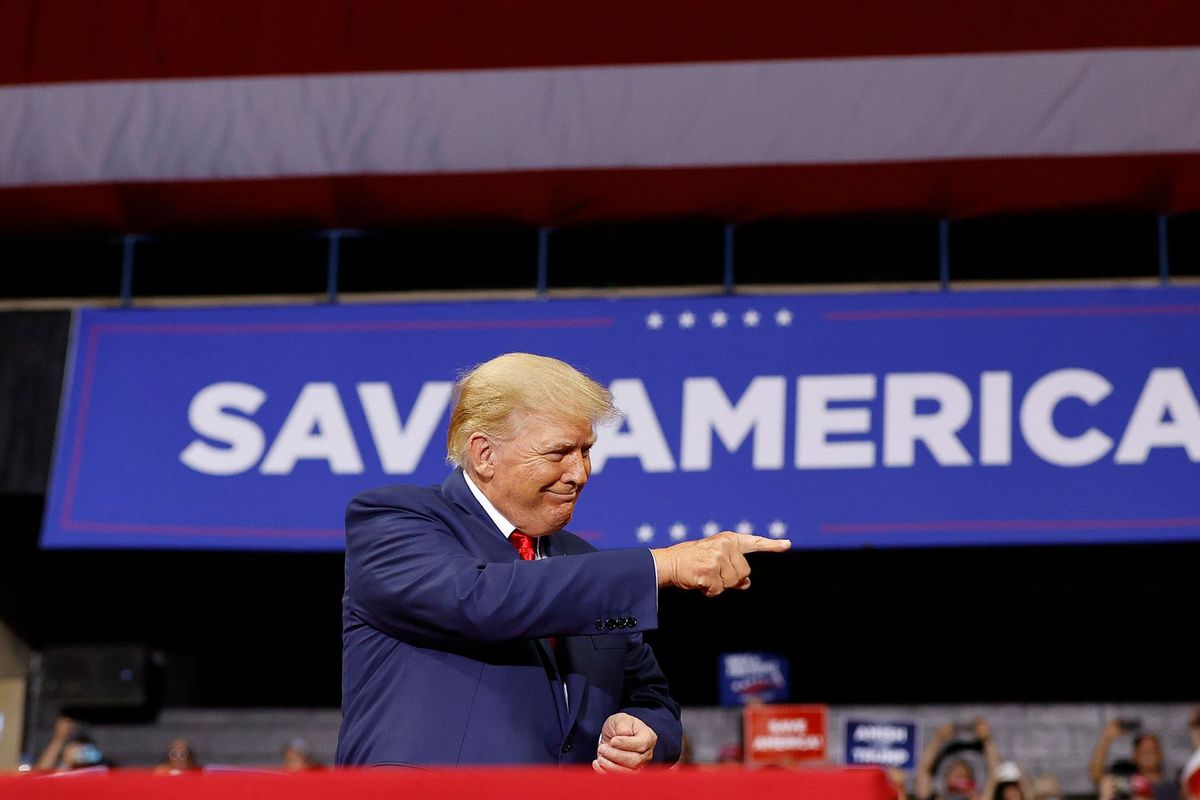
(445, 655)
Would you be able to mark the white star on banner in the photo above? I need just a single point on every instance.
(777, 529)
(718, 319)
(751, 319)
(711, 528)
(678, 531)
(687, 319)
(654, 320)
(645, 532)
(783, 317)
(745, 527)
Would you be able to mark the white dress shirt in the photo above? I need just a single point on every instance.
(494, 514)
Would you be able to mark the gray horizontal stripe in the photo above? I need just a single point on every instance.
(862, 110)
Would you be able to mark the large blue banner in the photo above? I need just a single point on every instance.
(836, 421)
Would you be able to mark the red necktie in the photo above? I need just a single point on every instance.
(524, 545)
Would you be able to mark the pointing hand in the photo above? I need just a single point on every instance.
(713, 564)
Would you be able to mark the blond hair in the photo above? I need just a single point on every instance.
(487, 397)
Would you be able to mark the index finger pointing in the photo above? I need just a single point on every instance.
(749, 543)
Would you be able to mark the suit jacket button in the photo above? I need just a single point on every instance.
(599, 624)
(567, 747)
(623, 622)
(610, 623)
(633, 622)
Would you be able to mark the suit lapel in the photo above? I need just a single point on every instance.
(454, 489)
(578, 649)
(497, 548)
(484, 532)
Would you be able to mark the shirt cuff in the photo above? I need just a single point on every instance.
(654, 561)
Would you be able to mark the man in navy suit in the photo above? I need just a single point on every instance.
(477, 631)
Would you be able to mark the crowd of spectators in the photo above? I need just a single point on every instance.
(963, 762)
(69, 750)
(959, 762)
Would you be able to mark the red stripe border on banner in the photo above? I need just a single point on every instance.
(46, 41)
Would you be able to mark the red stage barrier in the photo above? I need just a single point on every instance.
(462, 784)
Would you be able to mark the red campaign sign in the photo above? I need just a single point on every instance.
(783, 734)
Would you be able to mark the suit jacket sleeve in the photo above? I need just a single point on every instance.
(409, 575)
(646, 697)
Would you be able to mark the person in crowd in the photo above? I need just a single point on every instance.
(70, 749)
(898, 778)
(958, 781)
(1189, 779)
(1010, 783)
(180, 758)
(1144, 775)
(298, 756)
(64, 729)
(82, 752)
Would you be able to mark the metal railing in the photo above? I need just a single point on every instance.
(130, 242)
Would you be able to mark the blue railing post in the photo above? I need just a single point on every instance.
(728, 275)
(1164, 262)
(543, 261)
(944, 254)
(128, 246)
(332, 263)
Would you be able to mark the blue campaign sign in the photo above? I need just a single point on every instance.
(753, 676)
(837, 421)
(887, 744)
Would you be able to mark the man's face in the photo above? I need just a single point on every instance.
(538, 473)
(959, 779)
(1148, 754)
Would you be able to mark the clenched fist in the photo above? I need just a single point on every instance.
(626, 745)
(713, 564)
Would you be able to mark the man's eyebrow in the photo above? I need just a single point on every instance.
(567, 444)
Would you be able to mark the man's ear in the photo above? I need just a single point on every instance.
(481, 455)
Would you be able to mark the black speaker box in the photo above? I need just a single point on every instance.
(102, 676)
